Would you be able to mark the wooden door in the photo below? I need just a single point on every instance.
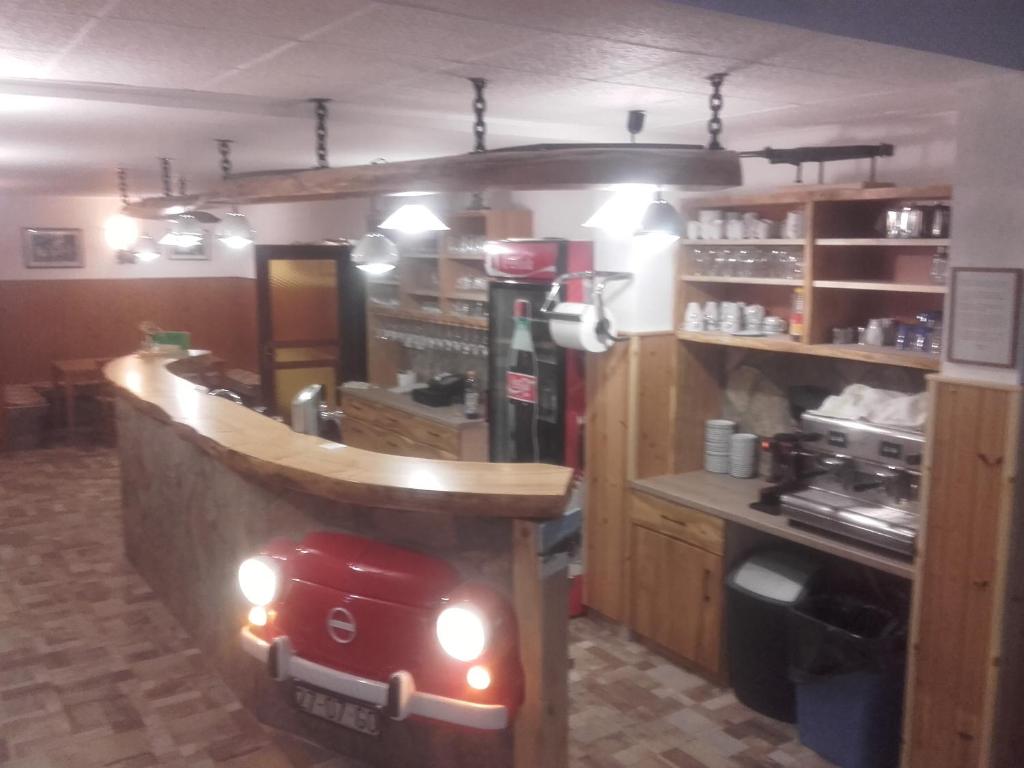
(676, 597)
(312, 315)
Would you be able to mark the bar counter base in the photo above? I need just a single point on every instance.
(189, 521)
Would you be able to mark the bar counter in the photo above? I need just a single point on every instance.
(269, 451)
(207, 483)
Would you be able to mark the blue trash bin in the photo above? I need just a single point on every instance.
(848, 665)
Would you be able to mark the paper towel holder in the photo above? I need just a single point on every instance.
(601, 280)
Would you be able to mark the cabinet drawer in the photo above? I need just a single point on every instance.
(697, 528)
(370, 437)
(394, 420)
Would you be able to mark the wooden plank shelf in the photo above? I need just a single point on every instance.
(742, 280)
(430, 292)
(468, 295)
(889, 242)
(777, 342)
(878, 285)
(430, 317)
(781, 343)
(867, 353)
(769, 241)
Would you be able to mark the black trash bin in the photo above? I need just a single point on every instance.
(848, 663)
(759, 595)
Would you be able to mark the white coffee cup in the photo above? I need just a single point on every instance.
(693, 230)
(732, 317)
(793, 227)
(406, 379)
(711, 315)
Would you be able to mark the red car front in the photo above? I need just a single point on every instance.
(366, 630)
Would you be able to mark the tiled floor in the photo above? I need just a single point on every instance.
(95, 672)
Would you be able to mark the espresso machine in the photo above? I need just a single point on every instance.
(858, 480)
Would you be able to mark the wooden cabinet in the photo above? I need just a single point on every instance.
(375, 426)
(676, 579)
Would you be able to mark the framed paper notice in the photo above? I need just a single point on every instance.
(986, 316)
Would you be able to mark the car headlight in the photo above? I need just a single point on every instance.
(461, 633)
(257, 578)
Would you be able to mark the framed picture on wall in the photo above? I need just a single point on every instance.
(44, 248)
(200, 251)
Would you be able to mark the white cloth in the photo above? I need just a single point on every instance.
(878, 406)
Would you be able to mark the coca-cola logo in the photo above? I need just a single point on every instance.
(521, 387)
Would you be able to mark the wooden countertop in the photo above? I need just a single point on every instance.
(450, 416)
(269, 451)
(728, 498)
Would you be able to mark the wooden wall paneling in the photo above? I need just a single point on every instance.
(699, 397)
(653, 405)
(1008, 704)
(541, 597)
(606, 456)
(956, 644)
(46, 320)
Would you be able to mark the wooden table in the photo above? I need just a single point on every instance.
(71, 374)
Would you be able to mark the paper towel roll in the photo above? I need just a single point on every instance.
(582, 333)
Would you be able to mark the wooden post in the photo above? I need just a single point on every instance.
(541, 598)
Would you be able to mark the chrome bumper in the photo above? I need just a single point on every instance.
(398, 697)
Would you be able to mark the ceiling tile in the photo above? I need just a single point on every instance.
(70, 7)
(292, 19)
(32, 31)
(168, 46)
(794, 86)
(835, 55)
(335, 71)
(656, 23)
(573, 56)
(686, 72)
(416, 32)
(185, 72)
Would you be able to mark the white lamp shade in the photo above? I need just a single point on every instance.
(188, 232)
(375, 254)
(235, 231)
(622, 213)
(146, 249)
(121, 232)
(412, 219)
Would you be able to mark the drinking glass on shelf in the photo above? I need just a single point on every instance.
(729, 258)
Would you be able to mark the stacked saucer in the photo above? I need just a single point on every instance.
(743, 455)
(717, 434)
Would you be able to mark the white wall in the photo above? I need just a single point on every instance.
(988, 196)
(274, 224)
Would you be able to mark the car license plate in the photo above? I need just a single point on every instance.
(338, 710)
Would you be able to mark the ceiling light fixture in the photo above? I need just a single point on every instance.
(235, 231)
(661, 220)
(375, 253)
(622, 214)
(414, 219)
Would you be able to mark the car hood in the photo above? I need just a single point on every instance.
(361, 566)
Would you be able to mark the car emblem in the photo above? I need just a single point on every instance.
(341, 626)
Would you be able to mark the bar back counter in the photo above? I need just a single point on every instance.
(207, 483)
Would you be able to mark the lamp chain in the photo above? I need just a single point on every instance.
(321, 132)
(122, 185)
(479, 107)
(715, 123)
(224, 147)
(165, 175)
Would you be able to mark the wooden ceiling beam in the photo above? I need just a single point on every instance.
(553, 166)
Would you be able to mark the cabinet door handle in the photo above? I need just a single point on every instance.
(667, 519)
(705, 586)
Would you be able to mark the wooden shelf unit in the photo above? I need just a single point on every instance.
(886, 242)
(879, 285)
(428, 277)
(849, 276)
